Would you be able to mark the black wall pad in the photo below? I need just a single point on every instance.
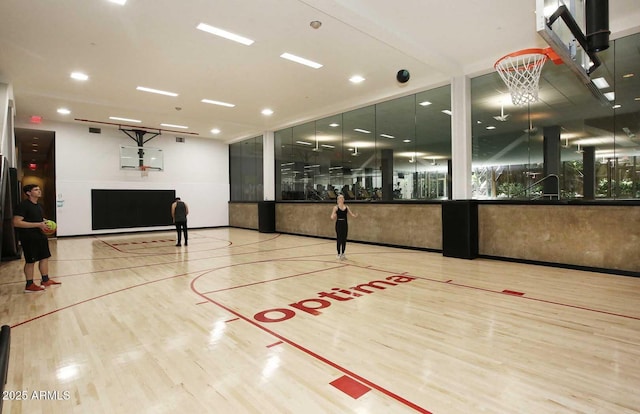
(460, 229)
(117, 209)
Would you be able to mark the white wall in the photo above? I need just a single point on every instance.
(6, 123)
(197, 169)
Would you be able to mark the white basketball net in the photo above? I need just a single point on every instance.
(521, 74)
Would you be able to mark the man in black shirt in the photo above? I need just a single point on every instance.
(179, 211)
(29, 221)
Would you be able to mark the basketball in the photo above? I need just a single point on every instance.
(52, 227)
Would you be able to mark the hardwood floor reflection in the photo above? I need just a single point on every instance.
(247, 322)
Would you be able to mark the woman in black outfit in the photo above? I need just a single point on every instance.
(339, 214)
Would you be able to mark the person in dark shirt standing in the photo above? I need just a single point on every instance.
(28, 219)
(339, 214)
(179, 212)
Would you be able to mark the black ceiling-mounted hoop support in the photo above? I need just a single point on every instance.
(139, 139)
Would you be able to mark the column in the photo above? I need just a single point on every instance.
(589, 173)
(268, 165)
(461, 138)
(551, 157)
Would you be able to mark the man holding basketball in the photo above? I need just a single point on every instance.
(28, 219)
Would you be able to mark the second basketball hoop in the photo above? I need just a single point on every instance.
(521, 70)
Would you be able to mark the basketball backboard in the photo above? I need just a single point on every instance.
(135, 157)
(562, 24)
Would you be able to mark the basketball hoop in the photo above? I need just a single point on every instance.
(144, 171)
(521, 70)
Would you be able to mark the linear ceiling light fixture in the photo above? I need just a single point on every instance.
(301, 60)
(175, 126)
(159, 92)
(223, 33)
(209, 101)
(601, 83)
(116, 118)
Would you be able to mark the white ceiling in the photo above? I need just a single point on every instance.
(154, 43)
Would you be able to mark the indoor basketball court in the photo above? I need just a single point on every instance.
(242, 321)
(245, 321)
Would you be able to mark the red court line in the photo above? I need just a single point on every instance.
(513, 292)
(531, 298)
(101, 296)
(447, 282)
(310, 352)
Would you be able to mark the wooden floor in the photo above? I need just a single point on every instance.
(247, 322)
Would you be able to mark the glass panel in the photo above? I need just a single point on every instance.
(508, 141)
(329, 156)
(358, 160)
(433, 144)
(246, 175)
(396, 144)
(396, 150)
(283, 141)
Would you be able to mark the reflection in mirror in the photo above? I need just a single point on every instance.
(597, 150)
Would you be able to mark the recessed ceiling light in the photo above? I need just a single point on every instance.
(628, 75)
(301, 60)
(116, 118)
(64, 111)
(303, 143)
(446, 111)
(79, 76)
(356, 79)
(333, 125)
(327, 146)
(223, 33)
(610, 96)
(601, 83)
(158, 91)
(617, 106)
(491, 127)
(267, 112)
(175, 126)
(209, 101)
(364, 131)
(215, 131)
(387, 136)
(425, 103)
(406, 140)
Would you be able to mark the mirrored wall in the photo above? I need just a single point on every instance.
(401, 149)
(598, 132)
(395, 150)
